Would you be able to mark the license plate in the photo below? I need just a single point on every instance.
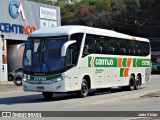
(40, 88)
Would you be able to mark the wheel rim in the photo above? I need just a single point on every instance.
(18, 79)
(84, 88)
(138, 82)
(132, 83)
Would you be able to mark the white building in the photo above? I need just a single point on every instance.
(18, 19)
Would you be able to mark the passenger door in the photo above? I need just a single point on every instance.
(72, 57)
(72, 81)
(99, 77)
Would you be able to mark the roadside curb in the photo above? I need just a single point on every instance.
(8, 86)
(151, 94)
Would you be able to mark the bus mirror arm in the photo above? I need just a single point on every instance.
(18, 47)
(65, 46)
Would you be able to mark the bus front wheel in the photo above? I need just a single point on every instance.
(84, 89)
(47, 95)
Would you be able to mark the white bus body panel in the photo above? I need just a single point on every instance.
(100, 77)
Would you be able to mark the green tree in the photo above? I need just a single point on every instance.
(135, 17)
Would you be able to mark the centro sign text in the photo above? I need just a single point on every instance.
(18, 29)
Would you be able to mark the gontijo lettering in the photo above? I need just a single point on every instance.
(19, 9)
(104, 62)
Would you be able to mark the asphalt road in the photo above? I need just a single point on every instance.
(117, 100)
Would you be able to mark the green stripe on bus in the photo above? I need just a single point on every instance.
(121, 72)
(47, 77)
(31, 77)
(124, 62)
(141, 62)
(134, 62)
(54, 76)
(113, 62)
(89, 61)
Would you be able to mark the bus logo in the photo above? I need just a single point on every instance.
(19, 10)
(102, 62)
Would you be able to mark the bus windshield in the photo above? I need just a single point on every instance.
(43, 55)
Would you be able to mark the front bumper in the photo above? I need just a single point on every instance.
(54, 87)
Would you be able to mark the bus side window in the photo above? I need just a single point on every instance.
(90, 45)
(139, 52)
(112, 50)
(99, 49)
(86, 50)
(103, 44)
(146, 48)
(74, 50)
(71, 56)
(112, 46)
(122, 51)
(117, 49)
(132, 50)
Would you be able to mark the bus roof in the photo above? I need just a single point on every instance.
(71, 29)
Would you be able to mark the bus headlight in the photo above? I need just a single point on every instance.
(24, 79)
(57, 79)
(60, 78)
(64, 77)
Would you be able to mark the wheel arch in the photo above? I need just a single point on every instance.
(132, 74)
(88, 79)
(140, 75)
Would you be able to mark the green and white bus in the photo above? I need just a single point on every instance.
(79, 58)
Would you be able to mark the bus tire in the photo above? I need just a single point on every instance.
(84, 89)
(137, 83)
(47, 95)
(131, 83)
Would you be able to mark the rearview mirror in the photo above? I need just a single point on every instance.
(65, 46)
(20, 45)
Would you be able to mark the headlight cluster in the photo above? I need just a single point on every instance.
(53, 80)
(60, 78)
(24, 79)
